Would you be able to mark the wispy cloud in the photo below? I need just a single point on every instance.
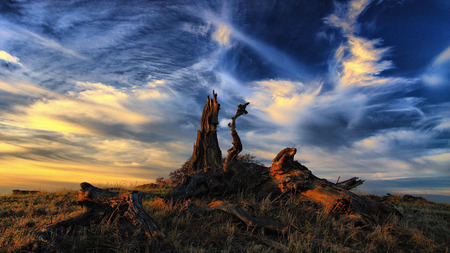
(9, 58)
(15, 32)
(279, 59)
(222, 35)
(438, 72)
(346, 14)
(281, 101)
(357, 122)
(360, 61)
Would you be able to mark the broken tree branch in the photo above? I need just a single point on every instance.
(350, 183)
(241, 214)
(128, 204)
(237, 145)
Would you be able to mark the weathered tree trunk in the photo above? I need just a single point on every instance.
(207, 155)
(237, 145)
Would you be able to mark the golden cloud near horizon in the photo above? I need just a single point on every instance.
(74, 148)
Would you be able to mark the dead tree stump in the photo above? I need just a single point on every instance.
(284, 176)
(206, 154)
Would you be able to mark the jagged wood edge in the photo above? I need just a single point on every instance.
(237, 144)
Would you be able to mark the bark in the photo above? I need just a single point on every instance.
(128, 204)
(206, 154)
(237, 145)
(292, 176)
(284, 176)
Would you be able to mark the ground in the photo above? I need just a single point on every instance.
(424, 226)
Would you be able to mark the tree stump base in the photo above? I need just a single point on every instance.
(283, 179)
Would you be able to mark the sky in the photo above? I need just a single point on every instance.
(111, 92)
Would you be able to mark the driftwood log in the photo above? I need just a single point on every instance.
(285, 176)
(105, 206)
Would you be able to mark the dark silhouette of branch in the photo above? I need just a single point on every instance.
(237, 145)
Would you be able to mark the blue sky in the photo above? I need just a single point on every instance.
(112, 91)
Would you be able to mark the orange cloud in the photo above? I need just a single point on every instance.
(222, 35)
(364, 64)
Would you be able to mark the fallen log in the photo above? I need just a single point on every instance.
(103, 205)
(128, 204)
(292, 176)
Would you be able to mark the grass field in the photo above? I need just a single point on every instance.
(424, 227)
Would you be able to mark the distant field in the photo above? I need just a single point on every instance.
(425, 227)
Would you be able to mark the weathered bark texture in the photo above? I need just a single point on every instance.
(207, 155)
(237, 145)
(291, 176)
(284, 176)
(103, 205)
(128, 205)
(247, 177)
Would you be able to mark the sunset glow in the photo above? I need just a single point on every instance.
(112, 93)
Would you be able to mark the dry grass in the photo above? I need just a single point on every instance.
(21, 215)
(423, 228)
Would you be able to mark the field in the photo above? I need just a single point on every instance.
(424, 227)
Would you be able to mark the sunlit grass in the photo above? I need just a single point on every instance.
(424, 226)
